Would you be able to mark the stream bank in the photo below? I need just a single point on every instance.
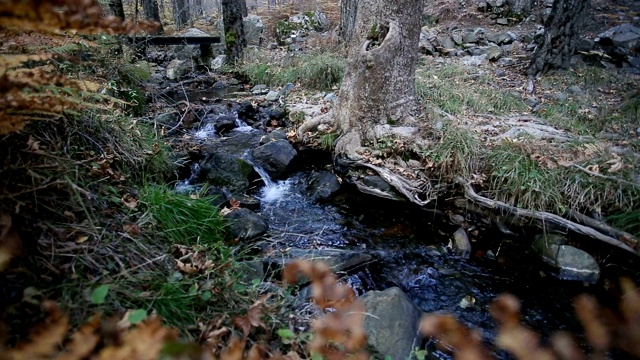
(289, 201)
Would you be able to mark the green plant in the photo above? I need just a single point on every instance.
(184, 219)
(328, 140)
(457, 152)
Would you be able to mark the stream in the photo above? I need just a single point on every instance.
(408, 245)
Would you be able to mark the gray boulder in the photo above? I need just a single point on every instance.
(260, 89)
(189, 52)
(446, 42)
(224, 123)
(224, 164)
(245, 224)
(391, 324)
(253, 29)
(572, 263)
(338, 260)
(470, 38)
(272, 96)
(461, 243)
(492, 52)
(274, 157)
(177, 69)
(425, 45)
(322, 185)
(626, 36)
(218, 62)
(300, 25)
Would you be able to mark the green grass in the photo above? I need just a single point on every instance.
(629, 221)
(452, 89)
(183, 219)
(456, 153)
(311, 71)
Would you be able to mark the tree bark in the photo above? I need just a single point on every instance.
(348, 11)
(235, 41)
(196, 8)
(378, 89)
(562, 29)
(152, 12)
(117, 8)
(180, 12)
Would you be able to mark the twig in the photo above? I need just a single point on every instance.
(542, 216)
(604, 228)
(592, 173)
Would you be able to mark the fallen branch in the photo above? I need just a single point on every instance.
(604, 228)
(543, 216)
(613, 178)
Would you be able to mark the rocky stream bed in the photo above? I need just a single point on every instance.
(289, 201)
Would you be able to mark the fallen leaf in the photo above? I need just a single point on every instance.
(81, 239)
(132, 229)
(130, 201)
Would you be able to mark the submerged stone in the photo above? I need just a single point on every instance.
(275, 157)
(246, 224)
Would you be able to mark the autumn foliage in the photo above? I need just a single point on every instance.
(37, 91)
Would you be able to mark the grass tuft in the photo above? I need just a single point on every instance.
(457, 153)
(184, 219)
(456, 90)
(311, 71)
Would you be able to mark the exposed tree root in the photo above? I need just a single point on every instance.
(624, 243)
(312, 124)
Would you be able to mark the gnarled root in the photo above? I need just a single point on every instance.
(312, 124)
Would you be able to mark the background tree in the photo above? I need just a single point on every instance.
(378, 88)
(196, 8)
(232, 11)
(180, 12)
(152, 12)
(562, 29)
(117, 8)
(348, 11)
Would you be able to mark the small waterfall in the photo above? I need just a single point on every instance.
(195, 173)
(272, 191)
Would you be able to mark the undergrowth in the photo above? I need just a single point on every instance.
(457, 90)
(322, 71)
(184, 219)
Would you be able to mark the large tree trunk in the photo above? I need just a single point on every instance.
(117, 8)
(152, 12)
(180, 12)
(562, 29)
(378, 89)
(232, 11)
(348, 11)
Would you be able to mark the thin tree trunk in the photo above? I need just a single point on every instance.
(180, 12)
(196, 8)
(348, 11)
(117, 8)
(562, 29)
(233, 29)
(152, 12)
(243, 6)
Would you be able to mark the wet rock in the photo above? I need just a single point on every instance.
(247, 112)
(272, 96)
(220, 197)
(253, 29)
(322, 185)
(278, 134)
(277, 113)
(274, 157)
(224, 165)
(391, 324)
(176, 69)
(224, 123)
(260, 89)
(218, 62)
(337, 259)
(246, 201)
(461, 244)
(572, 263)
(168, 119)
(246, 224)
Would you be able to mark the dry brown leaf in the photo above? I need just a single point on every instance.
(132, 229)
(145, 342)
(10, 243)
(44, 339)
(253, 317)
(234, 351)
(130, 201)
